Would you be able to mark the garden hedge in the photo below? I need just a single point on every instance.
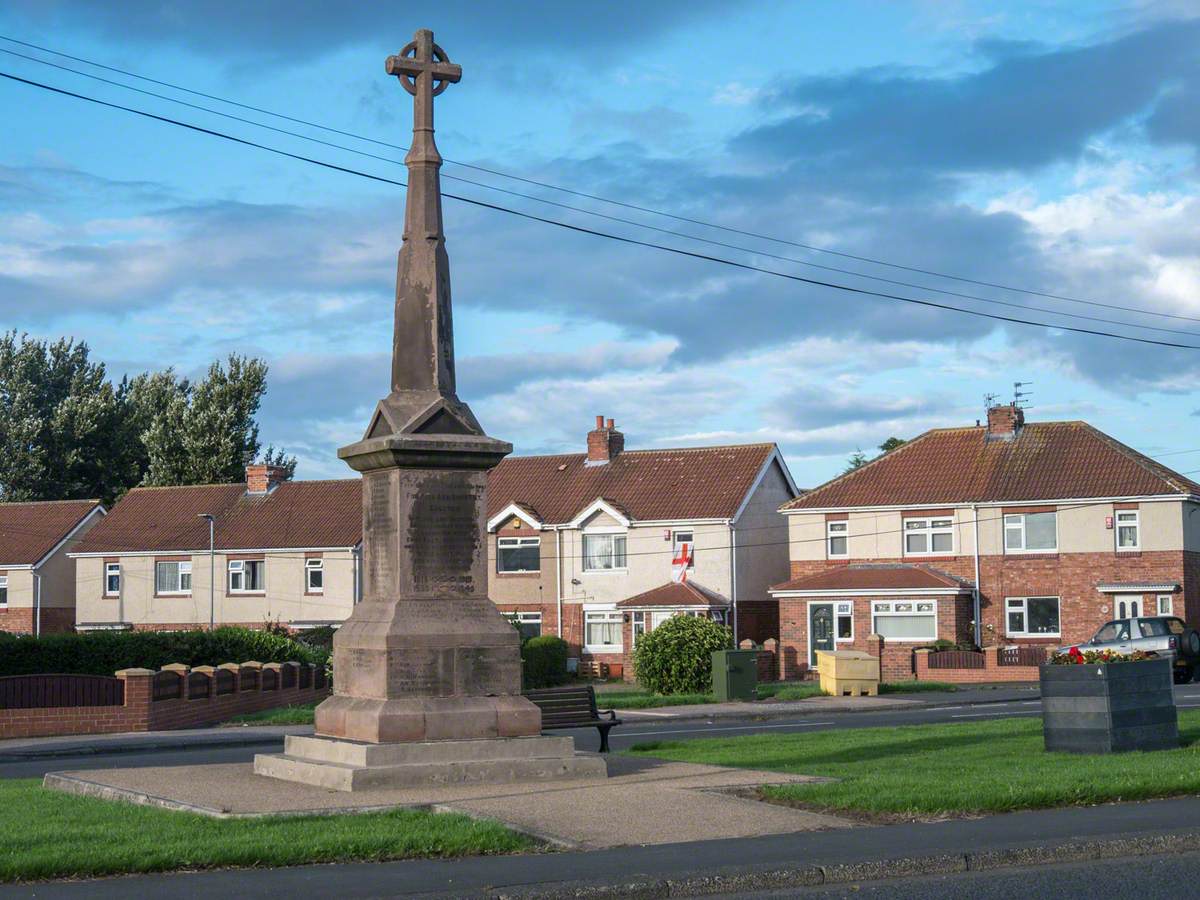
(545, 661)
(105, 652)
(676, 657)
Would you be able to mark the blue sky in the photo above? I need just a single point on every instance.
(1045, 146)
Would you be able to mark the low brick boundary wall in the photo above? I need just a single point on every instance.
(187, 698)
(767, 659)
(991, 670)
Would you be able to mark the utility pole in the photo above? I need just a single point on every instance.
(212, 580)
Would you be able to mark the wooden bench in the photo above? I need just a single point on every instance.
(573, 707)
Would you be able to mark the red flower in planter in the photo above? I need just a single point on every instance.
(1076, 656)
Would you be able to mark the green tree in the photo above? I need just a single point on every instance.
(68, 432)
(891, 444)
(857, 460)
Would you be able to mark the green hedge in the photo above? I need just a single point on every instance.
(545, 661)
(105, 652)
(676, 657)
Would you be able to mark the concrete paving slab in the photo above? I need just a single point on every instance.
(643, 801)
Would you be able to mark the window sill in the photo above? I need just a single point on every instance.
(171, 595)
(1135, 553)
(1048, 638)
(603, 651)
(624, 571)
(532, 573)
(312, 593)
(1043, 554)
(950, 555)
(246, 594)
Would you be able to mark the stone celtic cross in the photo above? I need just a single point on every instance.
(425, 70)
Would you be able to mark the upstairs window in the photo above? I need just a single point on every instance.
(837, 538)
(172, 578)
(681, 538)
(246, 576)
(603, 552)
(112, 579)
(3, 590)
(314, 575)
(1129, 532)
(928, 536)
(518, 554)
(1031, 532)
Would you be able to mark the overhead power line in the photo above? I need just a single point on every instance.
(595, 232)
(667, 231)
(602, 199)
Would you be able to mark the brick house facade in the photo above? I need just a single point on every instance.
(581, 545)
(1060, 527)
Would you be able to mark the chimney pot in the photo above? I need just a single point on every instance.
(610, 425)
(599, 422)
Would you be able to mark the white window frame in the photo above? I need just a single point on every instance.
(612, 534)
(238, 567)
(110, 569)
(638, 622)
(1008, 522)
(1014, 604)
(1167, 609)
(526, 617)
(314, 564)
(842, 610)
(184, 567)
(3, 590)
(842, 529)
(929, 529)
(886, 609)
(535, 541)
(604, 617)
(676, 543)
(1135, 523)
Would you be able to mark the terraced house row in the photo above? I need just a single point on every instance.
(1001, 534)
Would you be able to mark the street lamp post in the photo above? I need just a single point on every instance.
(212, 572)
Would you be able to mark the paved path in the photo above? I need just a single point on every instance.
(1022, 838)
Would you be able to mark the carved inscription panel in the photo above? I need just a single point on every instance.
(443, 539)
(381, 547)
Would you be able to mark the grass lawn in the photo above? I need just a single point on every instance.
(301, 714)
(915, 687)
(48, 834)
(920, 771)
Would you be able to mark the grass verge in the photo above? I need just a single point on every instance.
(646, 700)
(924, 771)
(915, 687)
(49, 834)
(300, 714)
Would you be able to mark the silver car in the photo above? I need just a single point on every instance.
(1167, 636)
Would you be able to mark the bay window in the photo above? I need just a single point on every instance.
(602, 631)
(603, 552)
(172, 577)
(1031, 617)
(518, 554)
(1031, 532)
(837, 538)
(905, 620)
(928, 536)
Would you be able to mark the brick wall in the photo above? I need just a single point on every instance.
(992, 671)
(19, 619)
(141, 712)
(1072, 577)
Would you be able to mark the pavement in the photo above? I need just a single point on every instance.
(782, 863)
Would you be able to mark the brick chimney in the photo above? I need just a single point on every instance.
(604, 442)
(1004, 422)
(261, 478)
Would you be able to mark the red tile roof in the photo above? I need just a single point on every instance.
(674, 594)
(1046, 461)
(874, 577)
(297, 514)
(28, 531)
(688, 483)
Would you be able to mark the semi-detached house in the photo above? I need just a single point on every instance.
(37, 575)
(282, 551)
(581, 544)
(1004, 534)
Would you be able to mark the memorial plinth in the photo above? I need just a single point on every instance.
(427, 672)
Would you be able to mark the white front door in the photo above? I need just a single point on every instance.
(1127, 606)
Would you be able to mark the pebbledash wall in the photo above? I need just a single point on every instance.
(1086, 559)
(198, 703)
(285, 597)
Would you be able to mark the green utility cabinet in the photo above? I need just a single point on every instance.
(735, 674)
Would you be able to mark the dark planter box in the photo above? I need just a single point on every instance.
(1109, 708)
